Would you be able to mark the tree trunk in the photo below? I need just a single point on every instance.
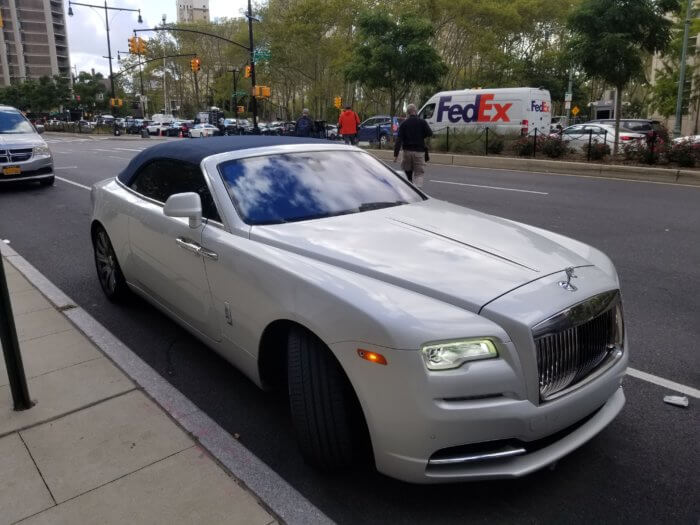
(618, 114)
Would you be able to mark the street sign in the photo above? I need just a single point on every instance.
(239, 93)
(261, 54)
(575, 111)
(568, 97)
(567, 105)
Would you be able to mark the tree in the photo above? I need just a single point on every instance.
(394, 55)
(610, 37)
(664, 91)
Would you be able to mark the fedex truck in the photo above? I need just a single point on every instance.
(520, 110)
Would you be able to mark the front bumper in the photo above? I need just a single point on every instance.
(32, 169)
(413, 414)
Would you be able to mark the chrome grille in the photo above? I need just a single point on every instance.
(15, 155)
(577, 342)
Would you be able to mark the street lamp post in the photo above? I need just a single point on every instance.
(234, 72)
(681, 80)
(109, 47)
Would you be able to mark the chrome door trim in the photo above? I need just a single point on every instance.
(189, 245)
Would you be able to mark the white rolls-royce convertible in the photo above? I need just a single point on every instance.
(444, 343)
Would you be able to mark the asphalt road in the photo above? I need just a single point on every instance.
(643, 468)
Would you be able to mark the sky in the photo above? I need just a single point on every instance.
(87, 38)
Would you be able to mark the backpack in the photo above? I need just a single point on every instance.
(304, 127)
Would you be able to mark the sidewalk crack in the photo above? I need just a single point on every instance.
(37, 468)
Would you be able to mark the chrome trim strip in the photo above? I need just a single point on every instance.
(504, 453)
(577, 314)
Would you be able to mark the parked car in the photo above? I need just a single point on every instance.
(379, 129)
(231, 127)
(203, 130)
(634, 124)
(303, 263)
(578, 136)
(158, 128)
(332, 132)
(24, 156)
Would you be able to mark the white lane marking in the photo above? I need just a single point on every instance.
(75, 183)
(113, 157)
(98, 149)
(128, 149)
(573, 175)
(65, 167)
(489, 187)
(666, 383)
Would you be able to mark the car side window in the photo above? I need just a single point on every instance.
(575, 130)
(160, 179)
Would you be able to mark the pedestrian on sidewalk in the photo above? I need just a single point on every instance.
(347, 125)
(304, 125)
(411, 138)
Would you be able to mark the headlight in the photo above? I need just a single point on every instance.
(42, 151)
(451, 354)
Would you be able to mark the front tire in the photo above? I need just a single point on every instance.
(109, 272)
(323, 405)
(48, 181)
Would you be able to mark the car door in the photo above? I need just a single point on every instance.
(165, 260)
(367, 130)
(573, 135)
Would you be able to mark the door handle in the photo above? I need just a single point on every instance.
(196, 248)
(187, 244)
(208, 253)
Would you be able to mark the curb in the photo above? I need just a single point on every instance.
(669, 176)
(247, 469)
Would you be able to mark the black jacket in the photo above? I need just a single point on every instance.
(412, 134)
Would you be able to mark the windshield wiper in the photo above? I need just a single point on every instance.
(366, 206)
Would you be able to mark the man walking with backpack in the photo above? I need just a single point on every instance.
(304, 125)
(347, 125)
(411, 137)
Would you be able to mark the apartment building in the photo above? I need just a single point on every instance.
(33, 40)
(192, 10)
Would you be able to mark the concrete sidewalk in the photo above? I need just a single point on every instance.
(95, 447)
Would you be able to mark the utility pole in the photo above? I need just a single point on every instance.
(234, 71)
(569, 94)
(681, 79)
(165, 87)
(254, 100)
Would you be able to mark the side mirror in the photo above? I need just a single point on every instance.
(187, 205)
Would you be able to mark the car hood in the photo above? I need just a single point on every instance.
(435, 248)
(20, 140)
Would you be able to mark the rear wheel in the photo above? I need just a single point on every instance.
(325, 412)
(108, 270)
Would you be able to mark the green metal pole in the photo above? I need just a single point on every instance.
(681, 79)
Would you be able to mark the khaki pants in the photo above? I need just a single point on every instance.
(414, 161)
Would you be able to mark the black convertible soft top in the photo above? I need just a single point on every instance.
(194, 151)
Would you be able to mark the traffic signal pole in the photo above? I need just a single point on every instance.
(254, 99)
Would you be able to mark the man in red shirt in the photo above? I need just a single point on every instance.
(347, 125)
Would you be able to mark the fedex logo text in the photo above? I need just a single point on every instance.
(479, 111)
(541, 107)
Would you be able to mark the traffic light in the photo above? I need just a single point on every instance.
(261, 91)
(133, 45)
(247, 72)
(338, 102)
(195, 64)
(241, 109)
(142, 46)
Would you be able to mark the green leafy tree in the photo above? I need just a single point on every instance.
(92, 90)
(610, 39)
(394, 54)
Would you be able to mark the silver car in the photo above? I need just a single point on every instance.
(24, 155)
(452, 344)
(578, 136)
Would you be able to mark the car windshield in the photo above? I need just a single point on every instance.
(275, 189)
(14, 122)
